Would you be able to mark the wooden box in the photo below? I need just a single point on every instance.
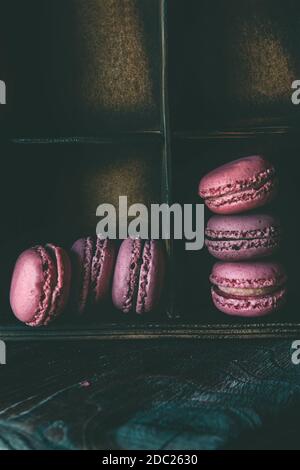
(142, 98)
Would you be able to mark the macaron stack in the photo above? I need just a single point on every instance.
(243, 282)
(46, 279)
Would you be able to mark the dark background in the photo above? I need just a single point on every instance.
(95, 110)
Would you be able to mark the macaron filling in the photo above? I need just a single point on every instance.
(42, 316)
(133, 278)
(267, 232)
(61, 290)
(251, 192)
(233, 240)
(86, 273)
(144, 278)
(239, 245)
(97, 265)
(252, 306)
(243, 283)
(258, 181)
(240, 292)
(248, 295)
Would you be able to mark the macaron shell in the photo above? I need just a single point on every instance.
(126, 274)
(238, 186)
(245, 200)
(152, 276)
(248, 274)
(234, 175)
(33, 281)
(102, 268)
(242, 237)
(249, 307)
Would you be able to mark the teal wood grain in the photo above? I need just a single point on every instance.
(150, 395)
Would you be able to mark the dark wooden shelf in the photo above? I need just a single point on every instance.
(116, 331)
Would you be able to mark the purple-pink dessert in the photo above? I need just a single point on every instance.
(139, 275)
(239, 186)
(93, 263)
(40, 284)
(248, 289)
(242, 237)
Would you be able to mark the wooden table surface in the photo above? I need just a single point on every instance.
(158, 394)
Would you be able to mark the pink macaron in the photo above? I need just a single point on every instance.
(248, 289)
(239, 186)
(242, 237)
(40, 284)
(93, 263)
(139, 275)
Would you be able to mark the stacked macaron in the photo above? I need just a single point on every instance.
(47, 278)
(243, 284)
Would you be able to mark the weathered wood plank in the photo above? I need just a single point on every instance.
(171, 394)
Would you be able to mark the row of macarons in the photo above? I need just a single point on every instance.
(47, 279)
(242, 284)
